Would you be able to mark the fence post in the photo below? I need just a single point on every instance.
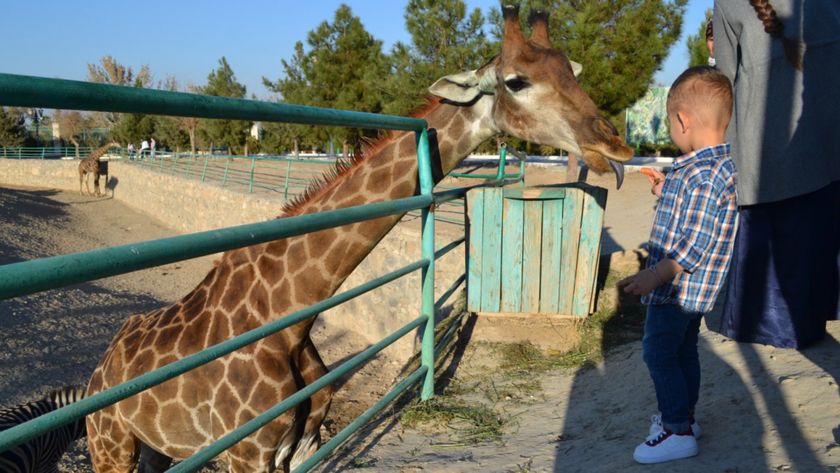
(227, 164)
(204, 171)
(251, 179)
(286, 184)
(43, 152)
(427, 306)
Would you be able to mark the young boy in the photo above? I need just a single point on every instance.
(690, 248)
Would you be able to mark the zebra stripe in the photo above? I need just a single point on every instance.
(41, 454)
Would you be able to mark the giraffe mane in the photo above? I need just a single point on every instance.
(332, 177)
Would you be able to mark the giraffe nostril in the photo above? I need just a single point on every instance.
(605, 126)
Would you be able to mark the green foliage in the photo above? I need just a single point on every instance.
(230, 134)
(620, 43)
(445, 39)
(12, 127)
(134, 128)
(169, 133)
(698, 52)
(343, 67)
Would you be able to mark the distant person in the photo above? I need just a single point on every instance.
(690, 248)
(152, 147)
(130, 150)
(144, 147)
(784, 60)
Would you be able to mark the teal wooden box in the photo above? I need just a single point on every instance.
(534, 250)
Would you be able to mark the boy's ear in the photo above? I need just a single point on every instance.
(685, 121)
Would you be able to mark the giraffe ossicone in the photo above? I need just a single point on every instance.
(535, 97)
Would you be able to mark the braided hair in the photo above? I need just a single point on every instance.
(775, 28)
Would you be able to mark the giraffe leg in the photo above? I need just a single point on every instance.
(152, 461)
(87, 184)
(96, 184)
(112, 446)
(311, 368)
(81, 178)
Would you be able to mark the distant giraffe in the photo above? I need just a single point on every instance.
(90, 165)
(528, 91)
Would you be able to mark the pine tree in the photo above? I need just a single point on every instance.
(169, 132)
(620, 43)
(445, 39)
(231, 134)
(343, 67)
(698, 52)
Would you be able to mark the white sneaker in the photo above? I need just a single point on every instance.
(656, 428)
(665, 447)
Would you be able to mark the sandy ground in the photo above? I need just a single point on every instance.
(762, 409)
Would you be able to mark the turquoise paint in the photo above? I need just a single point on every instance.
(513, 216)
(475, 218)
(491, 267)
(572, 209)
(532, 257)
(552, 234)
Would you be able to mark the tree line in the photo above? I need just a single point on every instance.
(621, 44)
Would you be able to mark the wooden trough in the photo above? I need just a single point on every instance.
(533, 260)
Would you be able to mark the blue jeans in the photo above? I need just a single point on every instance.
(670, 353)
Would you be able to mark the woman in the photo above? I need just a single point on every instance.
(784, 61)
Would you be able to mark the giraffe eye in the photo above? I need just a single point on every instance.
(515, 84)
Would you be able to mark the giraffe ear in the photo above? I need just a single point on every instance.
(577, 67)
(464, 87)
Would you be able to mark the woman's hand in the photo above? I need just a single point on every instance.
(655, 178)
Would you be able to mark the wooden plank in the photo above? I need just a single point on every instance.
(475, 224)
(491, 265)
(552, 227)
(602, 202)
(513, 221)
(531, 256)
(540, 193)
(572, 210)
(592, 222)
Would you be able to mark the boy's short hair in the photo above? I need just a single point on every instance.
(705, 91)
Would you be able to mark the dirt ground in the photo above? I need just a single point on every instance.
(762, 409)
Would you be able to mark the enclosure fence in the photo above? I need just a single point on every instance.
(48, 273)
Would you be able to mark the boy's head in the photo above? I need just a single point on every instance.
(699, 108)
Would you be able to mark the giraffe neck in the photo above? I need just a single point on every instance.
(99, 152)
(276, 278)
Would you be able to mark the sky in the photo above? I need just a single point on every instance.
(186, 38)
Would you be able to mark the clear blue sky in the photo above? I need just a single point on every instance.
(186, 38)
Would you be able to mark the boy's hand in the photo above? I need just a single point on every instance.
(640, 284)
(656, 179)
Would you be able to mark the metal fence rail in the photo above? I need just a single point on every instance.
(32, 276)
(41, 152)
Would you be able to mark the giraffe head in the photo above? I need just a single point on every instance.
(537, 98)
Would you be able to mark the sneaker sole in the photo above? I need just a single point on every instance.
(676, 455)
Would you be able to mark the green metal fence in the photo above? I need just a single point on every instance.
(49, 152)
(42, 274)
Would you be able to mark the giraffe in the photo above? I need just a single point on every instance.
(90, 165)
(529, 91)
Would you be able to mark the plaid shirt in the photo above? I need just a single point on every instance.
(695, 223)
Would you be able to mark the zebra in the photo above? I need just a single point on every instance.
(41, 454)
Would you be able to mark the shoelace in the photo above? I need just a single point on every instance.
(656, 440)
(655, 420)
